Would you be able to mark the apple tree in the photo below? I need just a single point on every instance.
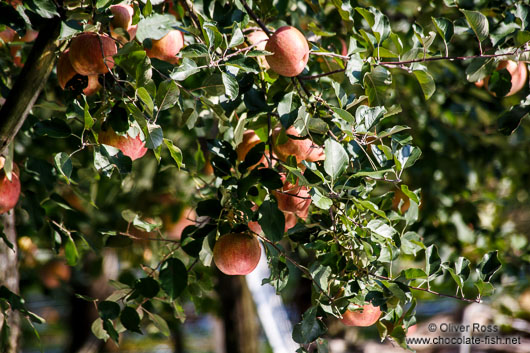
(361, 144)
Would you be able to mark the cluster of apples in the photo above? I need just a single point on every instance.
(239, 253)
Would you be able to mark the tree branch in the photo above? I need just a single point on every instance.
(428, 290)
(29, 83)
(256, 18)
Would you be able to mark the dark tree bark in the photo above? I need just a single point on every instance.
(13, 113)
(239, 315)
(29, 83)
(9, 277)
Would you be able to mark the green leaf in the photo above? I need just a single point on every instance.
(148, 8)
(354, 69)
(195, 50)
(146, 99)
(148, 287)
(173, 277)
(159, 323)
(426, 82)
(320, 275)
(63, 163)
(237, 37)
(336, 158)
(367, 117)
(109, 327)
(130, 319)
(406, 156)
(478, 23)
(320, 200)
(98, 330)
(433, 261)
(414, 273)
(479, 68)
(175, 152)
(89, 121)
(510, 120)
(344, 114)
(271, 220)
(108, 310)
(186, 69)
(381, 228)
(310, 328)
(410, 194)
(55, 128)
(155, 27)
(489, 265)
(167, 95)
(375, 85)
(106, 158)
(445, 29)
(231, 86)
(70, 251)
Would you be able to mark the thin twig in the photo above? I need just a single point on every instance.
(256, 18)
(399, 63)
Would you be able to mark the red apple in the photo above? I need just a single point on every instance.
(167, 47)
(367, 316)
(86, 54)
(291, 51)
(293, 199)
(123, 15)
(9, 190)
(302, 149)
(129, 146)
(65, 72)
(236, 253)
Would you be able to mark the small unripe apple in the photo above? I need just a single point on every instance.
(167, 47)
(291, 51)
(293, 198)
(132, 147)
(9, 190)
(302, 149)
(237, 253)
(86, 54)
(123, 15)
(259, 38)
(66, 72)
(367, 316)
(517, 70)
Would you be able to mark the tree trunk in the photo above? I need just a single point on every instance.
(9, 277)
(239, 315)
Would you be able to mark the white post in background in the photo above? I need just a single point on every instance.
(271, 311)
